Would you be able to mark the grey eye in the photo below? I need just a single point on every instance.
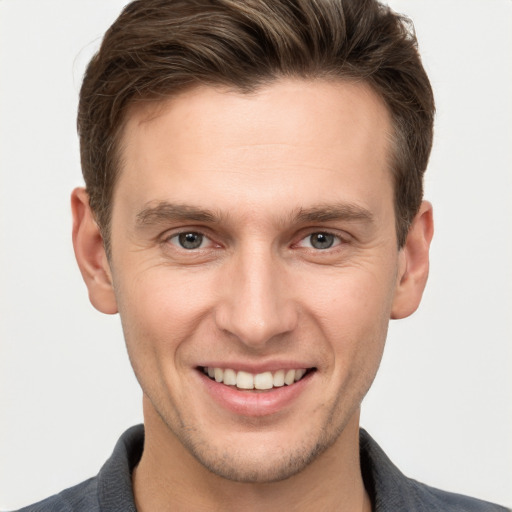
(321, 240)
(190, 240)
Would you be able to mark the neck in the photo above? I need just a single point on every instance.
(169, 478)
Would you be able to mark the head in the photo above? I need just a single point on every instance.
(255, 170)
(158, 48)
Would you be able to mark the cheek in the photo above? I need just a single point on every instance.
(351, 297)
(353, 315)
(159, 311)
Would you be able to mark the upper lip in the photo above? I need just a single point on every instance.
(255, 368)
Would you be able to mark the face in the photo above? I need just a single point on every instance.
(254, 245)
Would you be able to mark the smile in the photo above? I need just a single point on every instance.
(260, 381)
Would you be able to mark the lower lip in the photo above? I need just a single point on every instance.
(255, 403)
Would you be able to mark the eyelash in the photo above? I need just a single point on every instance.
(183, 234)
(337, 240)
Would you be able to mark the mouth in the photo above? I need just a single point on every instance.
(263, 392)
(263, 381)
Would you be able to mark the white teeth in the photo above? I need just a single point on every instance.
(244, 380)
(262, 381)
(299, 374)
(289, 378)
(278, 379)
(230, 377)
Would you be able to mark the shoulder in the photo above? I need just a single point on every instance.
(79, 498)
(111, 490)
(392, 491)
(436, 499)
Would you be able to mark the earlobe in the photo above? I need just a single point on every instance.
(90, 254)
(413, 273)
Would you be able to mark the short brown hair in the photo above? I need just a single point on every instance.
(159, 47)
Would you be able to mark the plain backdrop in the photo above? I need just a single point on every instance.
(441, 405)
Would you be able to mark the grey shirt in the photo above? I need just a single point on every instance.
(389, 490)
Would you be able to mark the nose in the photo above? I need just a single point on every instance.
(256, 305)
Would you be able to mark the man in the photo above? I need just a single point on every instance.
(253, 211)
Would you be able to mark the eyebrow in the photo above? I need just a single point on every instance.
(169, 212)
(165, 212)
(336, 212)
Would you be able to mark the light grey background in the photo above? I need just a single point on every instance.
(442, 404)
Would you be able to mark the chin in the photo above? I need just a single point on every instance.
(259, 462)
(246, 469)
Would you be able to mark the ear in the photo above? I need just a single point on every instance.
(414, 264)
(90, 254)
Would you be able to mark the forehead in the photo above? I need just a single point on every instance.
(306, 139)
(324, 105)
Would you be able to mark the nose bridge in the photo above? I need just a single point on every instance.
(257, 305)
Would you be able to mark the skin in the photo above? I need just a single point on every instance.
(270, 169)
